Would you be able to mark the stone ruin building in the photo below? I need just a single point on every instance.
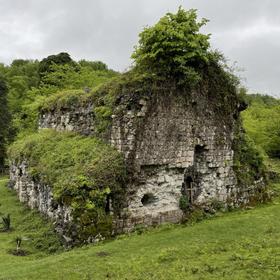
(176, 147)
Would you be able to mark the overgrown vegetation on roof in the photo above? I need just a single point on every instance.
(174, 47)
(172, 56)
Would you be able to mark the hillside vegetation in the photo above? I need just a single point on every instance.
(262, 123)
(38, 236)
(29, 82)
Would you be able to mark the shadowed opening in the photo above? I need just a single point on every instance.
(189, 188)
(148, 198)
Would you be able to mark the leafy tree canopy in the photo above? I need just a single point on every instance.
(94, 65)
(261, 121)
(27, 86)
(4, 120)
(174, 47)
(59, 59)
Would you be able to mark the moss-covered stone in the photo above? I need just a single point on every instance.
(83, 173)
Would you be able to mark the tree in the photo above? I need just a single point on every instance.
(173, 47)
(261, 121)
(94, 65)
(58, 59)
(4, 121)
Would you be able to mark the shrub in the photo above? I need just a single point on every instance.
(64, 99)
(18, 251)
(184, 203)
(18, 241)
(174, 47)
(217, 204)
(6, 222)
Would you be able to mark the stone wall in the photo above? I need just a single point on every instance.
(73, 118)
(176, 147)
(38, 196)
(173, 147)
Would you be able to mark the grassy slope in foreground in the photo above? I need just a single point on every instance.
(237, 245)
(39, 237)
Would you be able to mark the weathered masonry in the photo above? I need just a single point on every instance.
(174, 147)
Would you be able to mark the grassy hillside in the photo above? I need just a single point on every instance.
(261, 121)
(236, 245)
(38, 236)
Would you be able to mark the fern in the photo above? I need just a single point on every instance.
(6, 222)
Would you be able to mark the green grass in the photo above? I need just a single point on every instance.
(38, 235)
(236, 245)
(273, 164)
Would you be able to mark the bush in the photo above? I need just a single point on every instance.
(174, 47)
(63, 99)
(217, 204)
(184, 203)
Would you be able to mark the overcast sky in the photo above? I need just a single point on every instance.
(246, 31)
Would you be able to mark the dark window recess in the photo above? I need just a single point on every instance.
(199, 149)
(108, 205)
(54, 205)
(148, 198)
(189, 190)
(20, 173)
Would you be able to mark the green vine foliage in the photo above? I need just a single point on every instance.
(84, 173)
